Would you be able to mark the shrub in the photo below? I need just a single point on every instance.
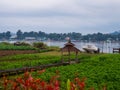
(27, 82)
(40, 45)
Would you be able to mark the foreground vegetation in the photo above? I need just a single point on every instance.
(27, 82)
(99, 69)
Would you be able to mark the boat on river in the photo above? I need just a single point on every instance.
(90, 48)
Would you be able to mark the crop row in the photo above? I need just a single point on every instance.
(28, 60)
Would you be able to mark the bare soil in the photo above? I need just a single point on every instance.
(13, 52)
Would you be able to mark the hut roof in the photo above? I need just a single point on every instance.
(69, 47)
(69, 43)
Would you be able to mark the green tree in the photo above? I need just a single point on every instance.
(8, 35)
(19, 35)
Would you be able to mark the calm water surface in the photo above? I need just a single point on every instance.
(106, 47)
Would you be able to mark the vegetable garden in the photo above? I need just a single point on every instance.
(99, 69)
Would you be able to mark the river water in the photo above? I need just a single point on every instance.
(105, 47)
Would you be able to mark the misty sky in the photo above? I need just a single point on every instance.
(83, 16)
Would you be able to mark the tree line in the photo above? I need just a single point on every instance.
(61, 36)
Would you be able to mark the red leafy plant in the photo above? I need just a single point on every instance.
(78, 84)
(27, 82)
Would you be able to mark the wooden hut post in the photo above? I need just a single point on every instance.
(69, 54)
(76, 56)
(62, 56)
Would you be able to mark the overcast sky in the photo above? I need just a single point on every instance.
(84, 16)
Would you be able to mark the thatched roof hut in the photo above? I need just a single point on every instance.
(69, 47)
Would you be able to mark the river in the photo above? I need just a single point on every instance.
(105, 47)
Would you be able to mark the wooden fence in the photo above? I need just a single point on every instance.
(35, 68)
(116, 50)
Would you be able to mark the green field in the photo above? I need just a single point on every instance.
(7, 46)
(99, 69)
(28, 60)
